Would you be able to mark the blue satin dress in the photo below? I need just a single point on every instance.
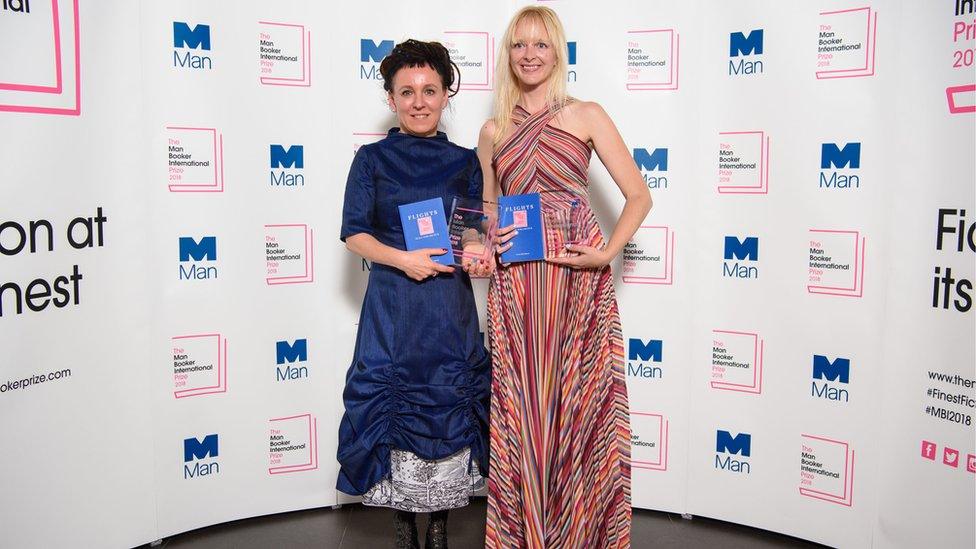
(420, 375)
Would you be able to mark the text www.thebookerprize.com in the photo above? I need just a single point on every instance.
(34, 380)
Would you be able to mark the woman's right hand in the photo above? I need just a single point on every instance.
(419, 266)
(502, 243)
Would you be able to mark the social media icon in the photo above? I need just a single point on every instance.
(928, 450)
(950, 457)
(971, 463)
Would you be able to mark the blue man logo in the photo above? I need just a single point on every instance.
(839, 370)
(292, 157)
(746, 45)
(832, 156)
(184, 37)
(747, 249)
(205, 250)
(740, 444)
(291, 352)
(571, 53)
(651, 351)
(199, 449)
(371, 51)
(658, 160)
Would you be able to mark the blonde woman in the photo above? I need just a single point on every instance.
(560, 433)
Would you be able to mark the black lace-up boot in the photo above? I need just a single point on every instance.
(405, 524)
(437, 531)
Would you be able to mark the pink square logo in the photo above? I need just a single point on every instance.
(971, 463)
(929, 449)
(521, 218)
(425, 225)
(950, 457)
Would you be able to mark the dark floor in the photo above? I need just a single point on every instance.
(354, 527)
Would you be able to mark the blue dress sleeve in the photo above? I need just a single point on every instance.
(360, 201)
(475, 178)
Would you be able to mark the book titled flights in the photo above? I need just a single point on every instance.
(523, 211)
(425, 226)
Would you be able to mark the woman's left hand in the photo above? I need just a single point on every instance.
(588, 258)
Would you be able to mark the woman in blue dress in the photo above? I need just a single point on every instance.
(414, 433)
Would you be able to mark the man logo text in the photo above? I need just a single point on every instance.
(287, 354)
(196, 450)
(186, 39)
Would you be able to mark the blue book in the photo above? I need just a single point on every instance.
(425, 226)
(525, 212)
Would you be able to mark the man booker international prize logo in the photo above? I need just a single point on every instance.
(652, 59)
(194, 159)
(288, 254)
(293, 444)
(199, 364)
(284, 54)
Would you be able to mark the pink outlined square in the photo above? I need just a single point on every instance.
(674, 54)
(971, 463)
(857, 285)
(662, 463)
(221, 385)
(306, 60)
(425, 225)
(950, 457)
(870, 39)
(362, 138)
(313, 447)
(763, 186)
(488, 83)
(667, 278)
(755, 387)
(57, 89)
(217, 186)
(957, 107)
(845, 498)
(929, 449)
(309, 273)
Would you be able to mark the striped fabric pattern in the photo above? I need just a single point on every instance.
(560, 431)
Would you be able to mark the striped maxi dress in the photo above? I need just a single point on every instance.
(560, 430)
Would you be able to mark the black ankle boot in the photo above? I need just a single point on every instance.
(437, 531)
(405, 524)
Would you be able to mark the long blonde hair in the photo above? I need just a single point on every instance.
(506, 83)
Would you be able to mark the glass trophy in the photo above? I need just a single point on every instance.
(473, 223)
(562, 219)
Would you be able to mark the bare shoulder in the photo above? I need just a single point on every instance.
(487, 129)
(586, 114)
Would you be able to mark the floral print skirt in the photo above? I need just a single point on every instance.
(424, 486)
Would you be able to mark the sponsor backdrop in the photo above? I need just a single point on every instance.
(177, 313)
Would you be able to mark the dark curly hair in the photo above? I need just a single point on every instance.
(415, 53)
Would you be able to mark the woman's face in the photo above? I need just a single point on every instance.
(532, 56)
(418, 97)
